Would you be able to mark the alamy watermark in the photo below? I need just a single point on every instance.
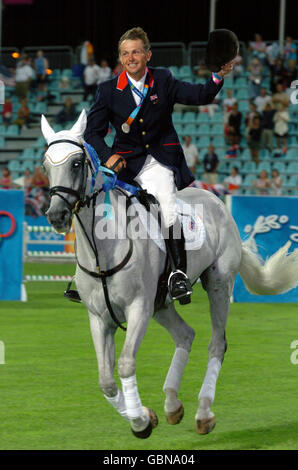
(294, 355)
(2, 352)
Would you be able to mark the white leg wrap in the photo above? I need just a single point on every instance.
(178, 364)
(131, 395)
(209, 384)
(118, 403)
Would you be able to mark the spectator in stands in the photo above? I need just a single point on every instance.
(67, 114)
(280, 97)
(27, 180)
(23, 115)
(254, 139)
(281, 129)
(261, 184)
(91, 77)
(228, 103)
(233, 181)
(255, 70)
(276, 183)
(267, 125)
(6, 179)
(191, 153)
(290, 76)
(64, 83)
(278, 74)
(272, 54)
(250, 117)
(202, 71)
(211, 163)
(24, 75)
(7, 112)
(104, 72)
(238, 67)
(39, 179)
(117, 69)
(41, 64)
(258, 48)
(234, 124)
(261, 100)
(86, 53)
(290, 53)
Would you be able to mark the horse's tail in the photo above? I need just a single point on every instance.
(277, 275)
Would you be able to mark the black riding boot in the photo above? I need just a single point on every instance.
(179, 284)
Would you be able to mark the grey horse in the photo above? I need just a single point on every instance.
(133, 288)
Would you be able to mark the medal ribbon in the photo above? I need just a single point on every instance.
(141, 95)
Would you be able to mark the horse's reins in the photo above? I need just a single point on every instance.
(75, 208)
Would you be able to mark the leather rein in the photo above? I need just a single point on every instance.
(81, 201)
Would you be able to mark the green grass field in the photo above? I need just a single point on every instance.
(49, 394)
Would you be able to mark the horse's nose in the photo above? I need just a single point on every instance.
(57, 217)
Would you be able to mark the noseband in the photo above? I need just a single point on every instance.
(79, 195)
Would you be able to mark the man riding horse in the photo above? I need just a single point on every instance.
(139, 104)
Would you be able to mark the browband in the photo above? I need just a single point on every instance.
(68, 142)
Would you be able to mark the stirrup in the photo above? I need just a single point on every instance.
(72, 294)
(183, 297)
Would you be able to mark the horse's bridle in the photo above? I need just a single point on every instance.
(78, 194)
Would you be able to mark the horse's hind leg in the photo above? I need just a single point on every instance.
(219, 288)
(183, 336)
(103, 340)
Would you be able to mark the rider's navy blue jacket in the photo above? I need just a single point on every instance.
(152, 132)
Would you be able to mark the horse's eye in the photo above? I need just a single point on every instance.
(77, 164)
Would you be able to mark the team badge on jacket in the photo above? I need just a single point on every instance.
(154, 98)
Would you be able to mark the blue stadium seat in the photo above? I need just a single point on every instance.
(14, 165)
(66, 73)
(242, 94)
(217, 129)
(190, 129)
(292, 168)
(177, 117)
(279, 166)
(218, 141)
(27, 165)
(12, 130)
(248, 179)
(185, 72)
(40, 142)
(240, 82)
(204, 129)
(174, 70)
(28, 153)
(179, 128)
(202, 117)
(264, 166)
(2, 142)
(204, 141)
(249, 167)
(189, 117)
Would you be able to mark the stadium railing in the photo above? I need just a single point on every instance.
(59, 57)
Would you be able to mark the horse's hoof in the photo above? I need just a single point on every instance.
(176, 416)
(204, 426)
(145, 433)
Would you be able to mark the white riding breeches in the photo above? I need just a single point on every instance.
(158, 180)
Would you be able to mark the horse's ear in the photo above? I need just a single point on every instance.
(46, 129)
(79, 127)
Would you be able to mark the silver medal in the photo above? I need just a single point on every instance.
(125, 127)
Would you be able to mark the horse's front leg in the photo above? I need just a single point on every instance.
(142, 420)
(103, 340)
